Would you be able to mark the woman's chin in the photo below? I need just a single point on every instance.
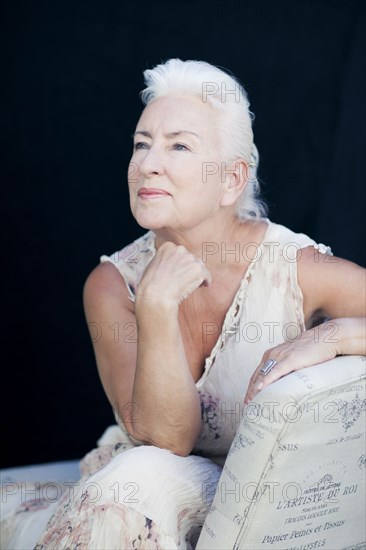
(151, 222)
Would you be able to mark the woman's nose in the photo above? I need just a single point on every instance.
(151, 164)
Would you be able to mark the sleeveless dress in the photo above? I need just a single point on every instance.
(142, 497)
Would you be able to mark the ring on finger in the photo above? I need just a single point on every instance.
(268, 366)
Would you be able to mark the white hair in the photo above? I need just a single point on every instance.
(229, 98)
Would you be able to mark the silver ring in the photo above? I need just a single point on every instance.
(268, 366)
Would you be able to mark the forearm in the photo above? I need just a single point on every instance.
(164, 392)
(345, 336)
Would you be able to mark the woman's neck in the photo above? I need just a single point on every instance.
(215, 244)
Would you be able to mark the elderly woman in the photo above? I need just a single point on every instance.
(215, 302)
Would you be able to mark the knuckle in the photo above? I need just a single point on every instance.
(165, 247)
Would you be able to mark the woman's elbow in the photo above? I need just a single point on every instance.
(180, 445)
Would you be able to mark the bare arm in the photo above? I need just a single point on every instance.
(331, 286)
(335, 288)
(164, 390)
(148, 382)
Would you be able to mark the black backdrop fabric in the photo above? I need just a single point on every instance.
(71, 76)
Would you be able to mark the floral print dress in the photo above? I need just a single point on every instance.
(142, 497)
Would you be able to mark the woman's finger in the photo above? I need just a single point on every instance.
(268, 371)
(257, 381)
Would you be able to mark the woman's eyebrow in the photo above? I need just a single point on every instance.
(142, 132)
(175, 134)
(168, 135)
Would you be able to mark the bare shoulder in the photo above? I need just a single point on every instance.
(105, 283)
(331, 285)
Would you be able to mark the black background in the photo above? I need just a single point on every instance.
(70, 78)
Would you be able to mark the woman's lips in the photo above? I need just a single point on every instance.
(152, 193)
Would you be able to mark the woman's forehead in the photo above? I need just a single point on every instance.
(177, 114)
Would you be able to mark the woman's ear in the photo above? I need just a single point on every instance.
(235, 178)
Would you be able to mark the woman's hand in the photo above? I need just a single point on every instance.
(314, 346)
(172, 275)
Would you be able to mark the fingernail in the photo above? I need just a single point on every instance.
(259, 386)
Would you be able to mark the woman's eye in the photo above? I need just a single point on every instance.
(140, 145)
(143, 145)
(180, 147)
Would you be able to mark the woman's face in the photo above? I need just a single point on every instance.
(174, 174)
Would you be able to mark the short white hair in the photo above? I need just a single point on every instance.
(229, 98)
